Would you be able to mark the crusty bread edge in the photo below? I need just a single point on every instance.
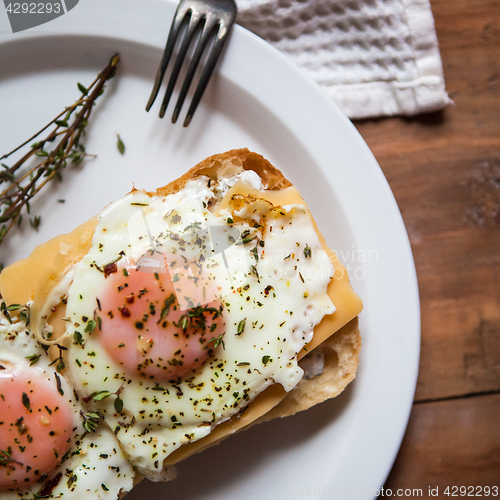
(226, 165)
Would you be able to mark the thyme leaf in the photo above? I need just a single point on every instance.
(120, 144)
(166, 307)
(241, 326)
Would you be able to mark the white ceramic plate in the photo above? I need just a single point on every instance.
(257, 99)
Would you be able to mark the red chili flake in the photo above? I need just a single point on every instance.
(125, 312)
(49, 486)
(130, 299)
(110, 269)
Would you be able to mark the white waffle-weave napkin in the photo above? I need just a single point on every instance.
(373, 57)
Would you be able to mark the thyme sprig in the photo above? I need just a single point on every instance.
(6, 458)
(23, 312)
(91, 420)
(100, 395)
(24, 186)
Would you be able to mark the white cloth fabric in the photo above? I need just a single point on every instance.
(373, 57)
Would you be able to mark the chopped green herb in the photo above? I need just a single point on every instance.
(33, 358)
(118, 405)
(255, 253)
(241, 326)
(253, 270)
(100, 395)
(90, 420)
(90, 326)
(120, 145)
(218, 341)
(77, 338)
(195, 226)
(26, 401)
(166, 307)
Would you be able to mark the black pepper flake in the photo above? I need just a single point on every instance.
(21, 426)
(58, 384)
(72, 480)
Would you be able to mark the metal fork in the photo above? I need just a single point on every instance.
(212, 19)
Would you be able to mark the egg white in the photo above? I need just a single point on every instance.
(94, 467)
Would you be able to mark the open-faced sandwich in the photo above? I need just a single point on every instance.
(164, 324)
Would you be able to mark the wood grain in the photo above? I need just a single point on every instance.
(444, 170)
(450, 443)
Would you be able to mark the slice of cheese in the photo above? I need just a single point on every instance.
(34, 279)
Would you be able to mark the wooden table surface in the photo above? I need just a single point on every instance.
(444, 170)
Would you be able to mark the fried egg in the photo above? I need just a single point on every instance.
(188, 306)
(50, 445)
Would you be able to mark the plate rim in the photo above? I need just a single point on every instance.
(325, 111)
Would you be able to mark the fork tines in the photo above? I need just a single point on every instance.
(211, 21)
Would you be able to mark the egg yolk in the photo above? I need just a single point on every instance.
(36, 424)
(148, 331)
